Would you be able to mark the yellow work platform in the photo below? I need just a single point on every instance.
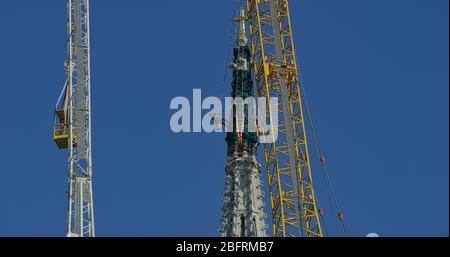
(61, 131)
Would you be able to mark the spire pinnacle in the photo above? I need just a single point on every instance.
(242, 39)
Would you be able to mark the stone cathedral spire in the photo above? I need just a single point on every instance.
(243, 210)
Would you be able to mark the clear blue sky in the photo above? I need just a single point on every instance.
(376, 74)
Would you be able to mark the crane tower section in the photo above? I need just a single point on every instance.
(292, 196)
(73, 122)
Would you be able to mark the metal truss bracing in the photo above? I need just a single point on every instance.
(80, 220)
(292, 196)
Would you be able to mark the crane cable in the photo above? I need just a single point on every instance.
(63, 93)
(217, 117)
(316, 144)
(230, 45)
(321, 218)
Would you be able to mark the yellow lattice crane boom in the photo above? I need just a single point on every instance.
(292, 196)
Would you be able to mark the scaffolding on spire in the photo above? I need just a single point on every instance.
(243, 210)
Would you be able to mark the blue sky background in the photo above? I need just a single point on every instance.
(376, 73)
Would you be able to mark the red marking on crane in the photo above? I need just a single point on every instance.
(322, 160)
(321, 212)
(303, 157)
(341, 216)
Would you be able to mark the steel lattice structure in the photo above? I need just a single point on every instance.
(292, 196)
(80, 220)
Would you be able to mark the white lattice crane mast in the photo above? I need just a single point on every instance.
(73, 121)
